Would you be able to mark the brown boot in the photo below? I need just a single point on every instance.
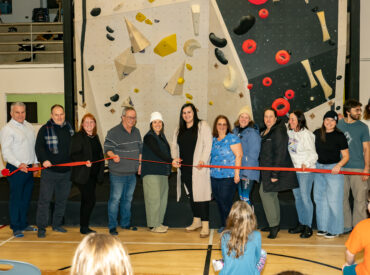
(204, 233)
(195, 225)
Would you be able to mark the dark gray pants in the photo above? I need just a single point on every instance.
(51, 182)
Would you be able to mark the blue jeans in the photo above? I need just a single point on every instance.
(302, 196)
(350, 270)
(223, 191)
(328, 197)
(244, 188)
(121, 191)
(21, 186)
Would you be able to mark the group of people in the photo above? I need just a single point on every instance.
(194, 146)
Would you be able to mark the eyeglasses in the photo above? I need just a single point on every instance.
(221, 124)
(131, 117)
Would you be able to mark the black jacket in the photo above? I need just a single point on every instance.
(274, 153)
(81, 151)
(156, 147)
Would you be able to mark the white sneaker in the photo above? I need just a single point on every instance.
(164, 226)
(331, 236)
(158, 229)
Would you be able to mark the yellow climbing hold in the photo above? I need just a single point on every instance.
(187, 102)
(151, 1)
(140, 17)
(189, 96)
(149, 22)
(180, 80)
(136, 90)
(189, 67)
(210, 103)
(166, 46)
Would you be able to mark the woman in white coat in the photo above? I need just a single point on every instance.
(191, 147)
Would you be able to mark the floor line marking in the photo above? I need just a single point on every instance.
(211, 237)
(8, 240)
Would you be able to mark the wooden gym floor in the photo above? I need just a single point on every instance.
(176, 252)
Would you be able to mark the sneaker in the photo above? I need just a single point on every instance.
(159, 229)
(331, 236)
(321, 233)
(18, 234)
(113, 232)
(41, 233)
(59, 229)
(133, 228)
(164, 226)
(30, 229)
(295, 230)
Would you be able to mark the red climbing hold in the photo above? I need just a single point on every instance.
(289, 94)
(282, 57)
(249, 46)
(258, 2)
(263, 13)
(277, 106)
(250, 86)
(267, 81)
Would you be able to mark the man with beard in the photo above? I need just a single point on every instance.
(357, 135)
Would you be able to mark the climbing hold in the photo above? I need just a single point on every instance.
(230, 81)
(282, 57)
(250, 86)
(109, 29)
(187, 101)
(166, 46)
(112, 111)
(148, 21)
(241, 95)
(312, 116)
(125, 64)
(136, 90)
(189, 67)
(191, 45)
(195, 12)
(281, 106)
(337, 108)
(138, 40)
(95, 11)
(140, 17)
(216, 41)
(91, 68)
(142, 51)
(156, 21)
(189, 96)
(111, 38)
(315, 9)
(267, 81)
(263, 13)
(249, 46)
(180, 80)
(339, 77)
(107, 104)
(127, 103)
(151, 1)
(220, 56)
(289, 94)
(210, 102)
(312, 98)
(245, 24)
(114, 98)
(216, 65)
(258, 2)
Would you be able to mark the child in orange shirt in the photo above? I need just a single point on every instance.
(359, 240)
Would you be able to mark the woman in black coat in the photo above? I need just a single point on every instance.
(86, 146)
(274, 153)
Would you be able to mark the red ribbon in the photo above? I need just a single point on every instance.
(5, 172)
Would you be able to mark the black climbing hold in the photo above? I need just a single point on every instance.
(220, 56)
(245, 24)
(80, 92)
(304, 85)
(156, 21)
(91, 68)
(114, 98)
(332, 42)
(216, 41)
(142, 51)
(107, 104)
(337, 108)
(109, 29)
(111, 38)
(95, 11)
(339, 77)
(289, 52)
(315, 9)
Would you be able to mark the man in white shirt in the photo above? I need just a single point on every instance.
(18, 150)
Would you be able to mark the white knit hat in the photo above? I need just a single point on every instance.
(156, 116)
(245, 110)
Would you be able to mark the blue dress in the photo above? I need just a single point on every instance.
(245, 264)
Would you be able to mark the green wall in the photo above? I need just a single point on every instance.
(44, 103)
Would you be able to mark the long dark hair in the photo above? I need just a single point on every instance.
(301, 120)
(182, 123)
(323, 132)
(214, 131)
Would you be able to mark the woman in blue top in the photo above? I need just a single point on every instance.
(241, 242)
(250, 139)
(226, 150)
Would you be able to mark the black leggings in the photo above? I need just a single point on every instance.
(88, 200)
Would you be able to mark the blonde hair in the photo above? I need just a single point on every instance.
(100, 254)
(240, 223)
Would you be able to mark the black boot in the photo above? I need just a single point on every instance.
(307, 232)
(298, 229)
(265, 229)
(86, 230)
(273, 232)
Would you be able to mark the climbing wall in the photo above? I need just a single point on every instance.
(158, 54)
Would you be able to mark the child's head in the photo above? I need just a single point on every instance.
(101, 254)
(240, 223)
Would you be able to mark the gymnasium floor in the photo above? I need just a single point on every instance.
(176, 252)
